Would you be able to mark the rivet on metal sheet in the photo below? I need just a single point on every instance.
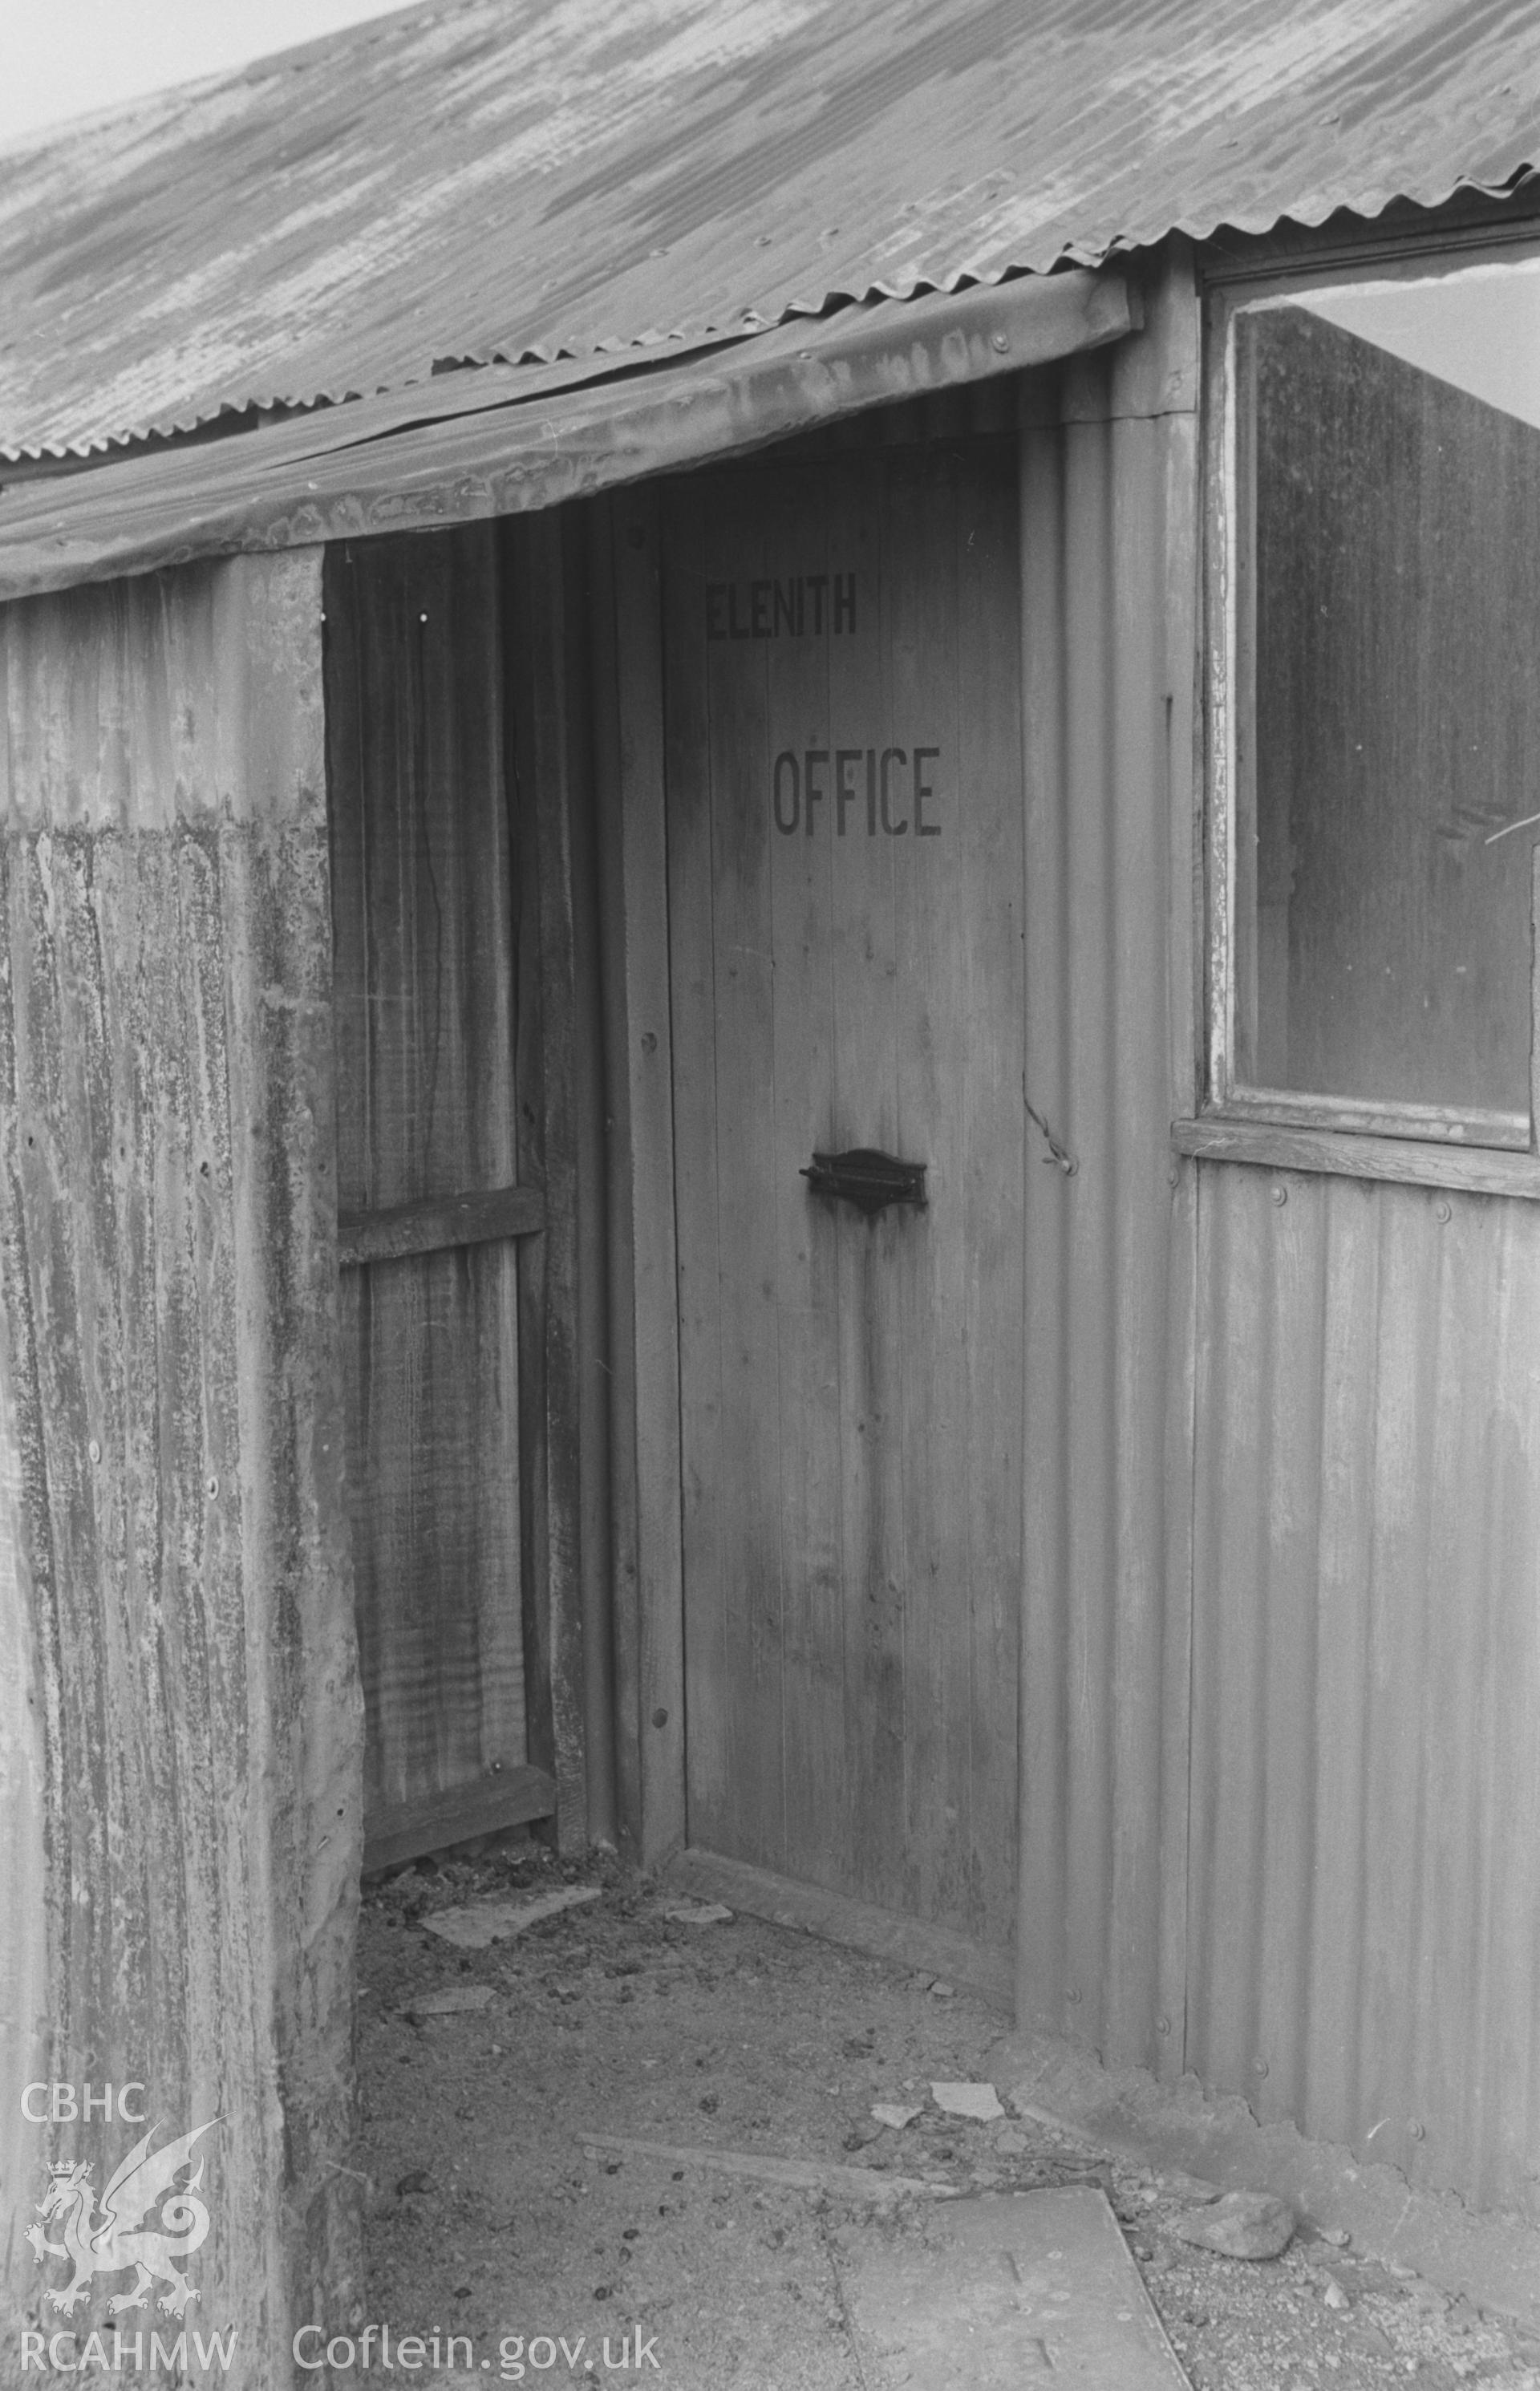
(1443, 1211)
(1280, 1195)
(999, 342)
(1417, 2129)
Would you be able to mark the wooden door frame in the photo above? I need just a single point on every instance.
(1153, 381)
(626, 563)
(551, 1069)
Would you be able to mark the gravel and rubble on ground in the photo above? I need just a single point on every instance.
(540, 2170)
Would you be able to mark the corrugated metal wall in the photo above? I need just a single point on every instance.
(1365, 1814)
(1108, 520)
(1281, 1674)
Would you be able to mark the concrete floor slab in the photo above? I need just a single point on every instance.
(1008, 2291)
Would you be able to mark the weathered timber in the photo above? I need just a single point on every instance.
(605, 636)
(423, 904)
(25, 2037)
(1534, 999)
(406, 1831)
(692, 1191)
(430, 1226)
(589, 685)
(644, 1263)
(859, 1926)
(846, 901)
(537, 643)
(1432, 1124)
(169, 1278)
(1401, 1161)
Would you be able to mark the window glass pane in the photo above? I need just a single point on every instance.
(1389, 448)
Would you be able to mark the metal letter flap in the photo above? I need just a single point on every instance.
(868, 1180)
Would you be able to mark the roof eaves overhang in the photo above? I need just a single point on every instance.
(434, 455)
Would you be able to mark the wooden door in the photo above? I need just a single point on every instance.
(428, 1140)
(846, 836)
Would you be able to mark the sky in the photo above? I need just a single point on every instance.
(69, 57)
(1480, 330)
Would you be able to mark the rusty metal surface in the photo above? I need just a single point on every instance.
(439, 456)
(1366, 1908)
(520, 178)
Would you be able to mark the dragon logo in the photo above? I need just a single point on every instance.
(105, 2245)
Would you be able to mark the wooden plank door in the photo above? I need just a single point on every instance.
(845, 837)
(424, 1000)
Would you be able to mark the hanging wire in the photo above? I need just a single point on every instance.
(1056, 1152)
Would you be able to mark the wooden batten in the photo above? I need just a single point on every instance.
(406, 1830)
(590, 721)
(537, 650)
(429, 1225)
(643, 1264)
(183, 1685)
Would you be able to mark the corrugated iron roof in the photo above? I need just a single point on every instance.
(511, 439)
(512, 179)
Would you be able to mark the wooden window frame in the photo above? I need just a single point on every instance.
(1425, 1144)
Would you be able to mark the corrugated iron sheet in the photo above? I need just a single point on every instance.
(1108, 594)
(421, 459)
(520, 178)
(1366, 1908)
(1281, 1647)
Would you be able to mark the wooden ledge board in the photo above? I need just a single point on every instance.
(1403, 1161)
(408, 1830)
(442, 1220)
(881, 1934)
